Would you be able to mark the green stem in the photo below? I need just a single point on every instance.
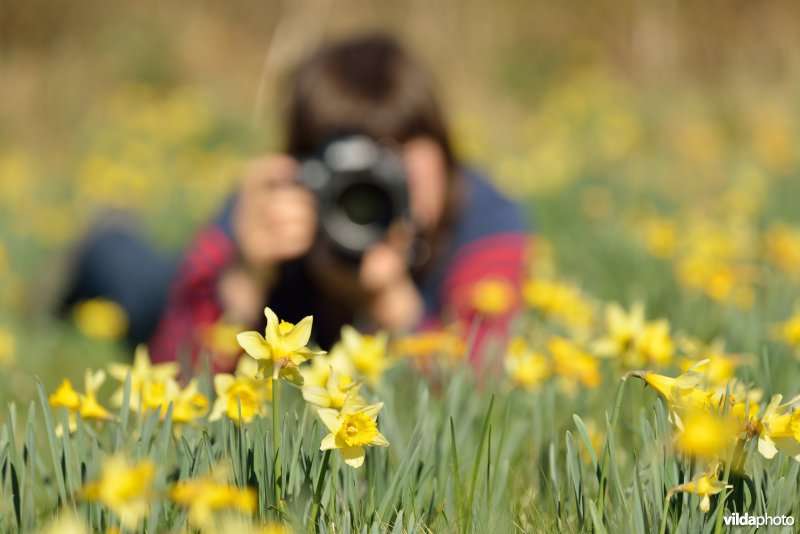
(664, 514)
(276, 439)
(601, 497)
(318, 491)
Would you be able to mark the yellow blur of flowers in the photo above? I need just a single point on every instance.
(241, 395)
(524, 366)
(779, 429)
(446, 344)
(351, 429)
(125, 488)
(335, 392)
(75, 403)
(573, 364)
(782, 244)
(100, 319)
(788, 331)
(559, 301)
(493, 296)
(142, 373)
(706, 434)
(361, 355)
(633, 340)
(282, 348)
(8, 348)
(205, 496)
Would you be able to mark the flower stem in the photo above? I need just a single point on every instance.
(318, 491)
(276, 439)
(601, 497)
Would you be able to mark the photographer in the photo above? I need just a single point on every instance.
(273, 243)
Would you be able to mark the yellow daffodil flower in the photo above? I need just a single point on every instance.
(65, 397)
(125, 488)
(364, 355)
(703, 486)
(317, 371)
(333, 394)
(352, 429)
(779, 430)
(100, 319)
(189, 404)
(444, 343)
(525, 367)
(493, 296)
(622, 331)
(559, 301)
(204, 496)
(706, 434)
(655, 344)
(242, 388)
(788, 331)
(90, 408)
(570, 362)
(281, 349)
(8, 348)
(142, 372)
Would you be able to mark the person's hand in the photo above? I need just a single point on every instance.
(393, 300)
(275, 218)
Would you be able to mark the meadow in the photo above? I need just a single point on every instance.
(652, 381)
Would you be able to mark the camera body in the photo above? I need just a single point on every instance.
(361, 188)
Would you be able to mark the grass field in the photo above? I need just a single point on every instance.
(653, 379)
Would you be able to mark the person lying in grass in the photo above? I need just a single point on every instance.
(277, 242)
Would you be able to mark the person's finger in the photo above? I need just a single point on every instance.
(381, 267)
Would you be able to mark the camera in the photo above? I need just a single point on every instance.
(362, 189)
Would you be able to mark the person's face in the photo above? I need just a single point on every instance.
(427, 181)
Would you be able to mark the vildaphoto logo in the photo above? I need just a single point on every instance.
(745, 519)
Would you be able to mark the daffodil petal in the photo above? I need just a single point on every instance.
(353, 456)
(372, 410)
(317, 396)
(223, 382)
(271, 334)
(293, 375)
(380, 441)
(328, 442)
(300, 334)
(254, 345)
(330, 418)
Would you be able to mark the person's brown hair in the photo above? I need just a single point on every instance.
(369, 85)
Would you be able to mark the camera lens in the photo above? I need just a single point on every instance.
(366, 204)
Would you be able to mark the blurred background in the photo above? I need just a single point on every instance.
(655, 142)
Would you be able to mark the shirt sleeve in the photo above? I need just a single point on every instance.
(193, 302)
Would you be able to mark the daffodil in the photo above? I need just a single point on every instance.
(655, 344)
(442, 343)
(364, 355)
(125, 488)
(65, 397)
(281, 349)
(333, 394)
(204, 496)
(352, 429)
(622, 331)
(316, 371)
(8, 346)
(90, 408)
(241, 389)
(779, 429)
(557, 300)
(142, 372)
(706, 434)
(188, 404)
(571, 362)
(493, 296)
(101, 319)
(788, 331)
(525, 367)
(704, 486)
